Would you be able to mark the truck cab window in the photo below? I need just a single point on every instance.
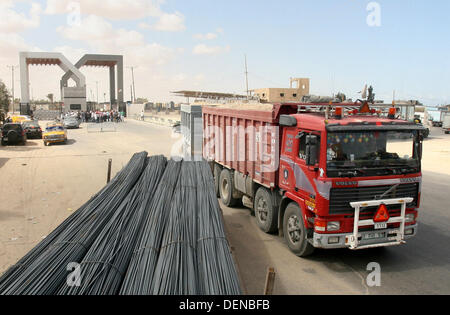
(302, 146)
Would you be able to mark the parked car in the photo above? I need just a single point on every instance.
(176, 127)
(71, 123)
(32, 129)
(55, 133)
(20, 118)
(13, 134)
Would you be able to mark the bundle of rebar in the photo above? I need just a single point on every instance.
(103, 268)
(176, 270)
(46, 273)
(139, 276)
(217, 274)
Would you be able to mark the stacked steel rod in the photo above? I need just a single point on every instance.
(104, 266)
(217, 274)
(156, 228)
(141, 270)
(176, 270)
(14, 271)
(46, 273)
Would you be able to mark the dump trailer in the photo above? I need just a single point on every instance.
(321, 175)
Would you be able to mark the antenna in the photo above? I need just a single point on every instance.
(364, 92)
(246, 76)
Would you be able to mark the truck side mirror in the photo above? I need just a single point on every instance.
(419, 146)
(312, 148)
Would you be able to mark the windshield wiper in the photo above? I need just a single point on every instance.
(351, 173)
(386, 192)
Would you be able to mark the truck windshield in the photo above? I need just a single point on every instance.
(371, 153)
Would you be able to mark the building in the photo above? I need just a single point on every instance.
(281, 95)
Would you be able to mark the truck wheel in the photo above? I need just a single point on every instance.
(226, 187)
(217, 171)
(295, 231)
(266, 212)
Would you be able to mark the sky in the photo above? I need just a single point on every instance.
(341, 45)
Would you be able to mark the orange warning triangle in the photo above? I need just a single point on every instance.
(382, 214)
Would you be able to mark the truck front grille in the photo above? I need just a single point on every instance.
(340, 198)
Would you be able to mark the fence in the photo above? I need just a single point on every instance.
(102, 127)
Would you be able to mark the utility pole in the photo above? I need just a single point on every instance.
(134, 87)
(12, 85)
(97, 91)
(131, 89)
(246, 77)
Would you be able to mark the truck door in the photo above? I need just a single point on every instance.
(295, 175)
(304, 174)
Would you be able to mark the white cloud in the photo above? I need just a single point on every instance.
(111, 9)
(207, 36)
(14, 22)
(203, 49)
(11, 45)
(104, 38)
(91, 28)
(170, 22)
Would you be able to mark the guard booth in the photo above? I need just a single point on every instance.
(25, 109)
(192, 131)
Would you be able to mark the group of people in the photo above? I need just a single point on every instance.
(97, 116)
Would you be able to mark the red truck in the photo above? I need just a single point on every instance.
(322, 175)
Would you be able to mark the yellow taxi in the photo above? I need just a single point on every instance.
(18, 119)
(54, 133)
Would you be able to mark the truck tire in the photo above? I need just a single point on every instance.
(266, 211)
(226, 188)
(295, 232)
(217, 171)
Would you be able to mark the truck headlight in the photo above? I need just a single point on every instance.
(410, 217)
(333, 226)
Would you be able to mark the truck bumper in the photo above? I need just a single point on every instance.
(385, 238)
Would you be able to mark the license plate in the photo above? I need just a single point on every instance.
(380, 226)
(372, 236)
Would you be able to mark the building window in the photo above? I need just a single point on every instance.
(282, 94)
(294, 95)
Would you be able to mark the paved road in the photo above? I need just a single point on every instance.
(422, 266)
